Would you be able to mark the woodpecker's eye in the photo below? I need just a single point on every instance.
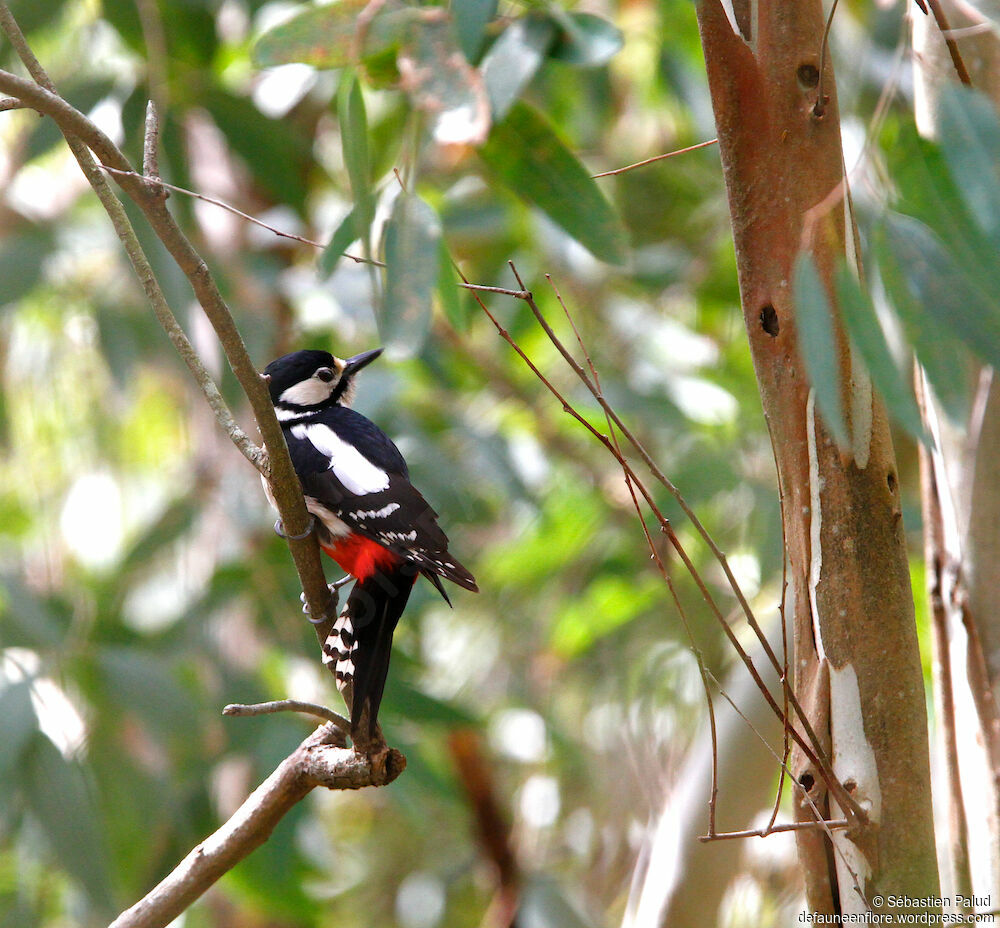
(325, 374)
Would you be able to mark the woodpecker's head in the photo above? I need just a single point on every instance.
(305, 380)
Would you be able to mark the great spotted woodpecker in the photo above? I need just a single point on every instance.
(370, 519)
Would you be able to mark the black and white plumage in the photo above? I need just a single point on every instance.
(369, 517)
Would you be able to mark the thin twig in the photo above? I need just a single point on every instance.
(238, 212)
(947, 34)
(669, 154)
(819, 107)
(11, 103)
(289, 705)
(772, 829)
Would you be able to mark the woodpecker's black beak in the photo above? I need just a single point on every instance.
(353, 365)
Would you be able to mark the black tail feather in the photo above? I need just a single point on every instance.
(374, 607)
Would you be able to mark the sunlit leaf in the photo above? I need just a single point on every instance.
(607, 603)
(471, 18)
(513, 59)
(814, 316)
(412, 243)
(57, 793)
(441, 82)
(862, 324)
(970, 139)
(527, 156)
(585, 40)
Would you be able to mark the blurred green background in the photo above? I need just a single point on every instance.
(142, 585)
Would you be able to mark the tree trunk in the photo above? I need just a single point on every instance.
(857, 668)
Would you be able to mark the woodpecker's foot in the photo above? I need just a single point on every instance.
(331, 609)
(279, 529)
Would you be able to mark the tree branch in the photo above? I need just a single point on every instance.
(320, 760)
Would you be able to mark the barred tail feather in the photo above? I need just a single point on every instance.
(361, 641)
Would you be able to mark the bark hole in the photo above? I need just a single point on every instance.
(808, 76)
(891, 481)
(769, 320)
(807, 781)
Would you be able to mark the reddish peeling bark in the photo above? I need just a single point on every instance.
(856, 667)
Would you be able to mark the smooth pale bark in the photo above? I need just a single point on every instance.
(856, 667)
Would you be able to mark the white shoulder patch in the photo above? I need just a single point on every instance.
(358, 475)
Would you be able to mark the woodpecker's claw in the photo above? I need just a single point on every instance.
(335, 597)
(279, 529)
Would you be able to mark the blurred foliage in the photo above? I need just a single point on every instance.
(142, 586)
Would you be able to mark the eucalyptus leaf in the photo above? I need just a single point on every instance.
(513, 60)
(441, 82)
(936, 350)
(470, 18)
(814, 316)
(412, 258)
(957, 302)
(344, 234)
(970, 139)
(326, 36)
(585, 40)
(525, 154)
(19, 724)
(354, 141)
(57, 793)
(861, 321)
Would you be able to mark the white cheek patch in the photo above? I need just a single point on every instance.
(358, 475)
(309, 392)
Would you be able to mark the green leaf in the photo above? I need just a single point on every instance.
(471, 17)
(454, 299)
(324, 36)
(412, 243)
(22, 261)
(57, 793)
(970, 139)
(345, 233)
(145, 684)
(585, 40)
(814, 316)
(935, 349)
(928, 192)
(862, 324)
(354, 141)
(513, 59)
(526, 155)
(938, 284)
(19, 724)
